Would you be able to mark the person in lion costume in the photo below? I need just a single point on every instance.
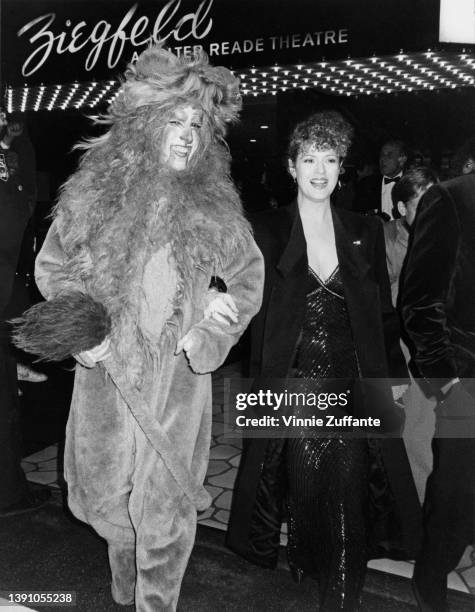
(150, 217)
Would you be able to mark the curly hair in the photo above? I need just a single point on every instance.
(323, 130)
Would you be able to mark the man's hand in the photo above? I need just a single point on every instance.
(27, 374)
(13, 130)
(398, 391)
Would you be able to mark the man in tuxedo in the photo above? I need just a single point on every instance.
(373, 193)
(438, 307)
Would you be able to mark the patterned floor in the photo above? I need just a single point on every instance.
(42, 467)
(6, 607)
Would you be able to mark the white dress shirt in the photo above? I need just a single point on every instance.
(386, 200)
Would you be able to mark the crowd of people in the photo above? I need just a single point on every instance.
(151, 273)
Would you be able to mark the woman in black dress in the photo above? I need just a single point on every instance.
(325, 298)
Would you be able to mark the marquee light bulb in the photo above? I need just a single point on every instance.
(417, 71)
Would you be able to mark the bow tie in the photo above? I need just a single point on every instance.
(390, 180)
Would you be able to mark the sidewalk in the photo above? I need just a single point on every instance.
(50, 551)
(44, 467)
(6, 606)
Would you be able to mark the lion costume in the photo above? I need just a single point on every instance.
(144, 240)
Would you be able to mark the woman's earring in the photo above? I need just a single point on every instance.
(342, 171)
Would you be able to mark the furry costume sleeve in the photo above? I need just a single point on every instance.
(48, 267)
(244, 278)
(67, 324)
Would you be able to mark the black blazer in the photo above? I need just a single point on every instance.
(14, 215)
(17, 200)
(438, 291)
(362, 261)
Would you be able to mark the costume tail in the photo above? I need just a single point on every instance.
(64, 326)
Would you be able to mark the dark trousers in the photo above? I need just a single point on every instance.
(13, 485)
(449, 516)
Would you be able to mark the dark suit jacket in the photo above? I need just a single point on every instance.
(17, 198)
(256, 512)
(368, 194)
(438, 293)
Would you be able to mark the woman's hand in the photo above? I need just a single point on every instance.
(88, 359)
(221, 308)
(185, 344)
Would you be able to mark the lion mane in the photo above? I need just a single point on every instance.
(122, 204)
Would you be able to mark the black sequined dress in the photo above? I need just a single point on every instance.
(327, 477)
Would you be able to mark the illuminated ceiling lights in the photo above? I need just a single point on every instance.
(368, 76)
(401, 73)
(67, 96)
(9, 100)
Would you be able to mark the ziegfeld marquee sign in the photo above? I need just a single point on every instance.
(51, 40)
(100, 41)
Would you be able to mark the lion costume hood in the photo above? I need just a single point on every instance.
(122, 204)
